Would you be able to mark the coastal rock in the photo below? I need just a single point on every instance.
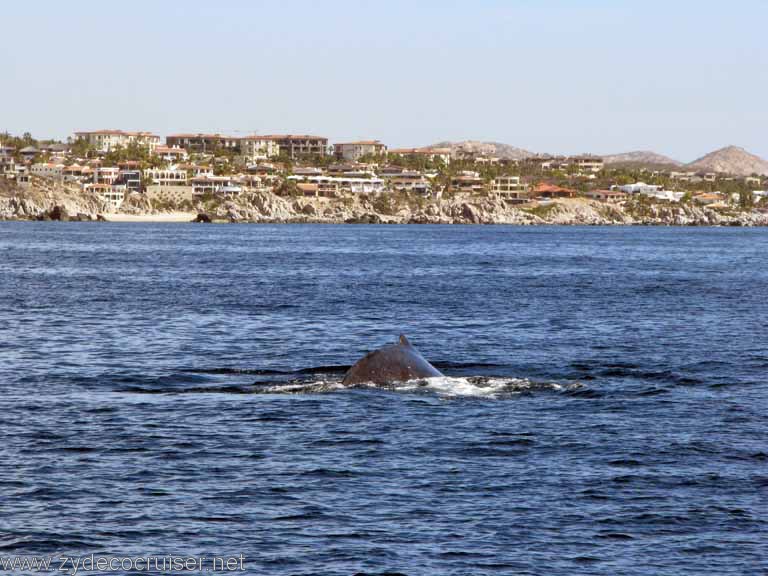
(202, 218)
(470, 214)
(366, 218)
(59, 213)
(308, 209)
(63, 203)
(232, 212)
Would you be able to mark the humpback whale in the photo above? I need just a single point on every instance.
(392, 363)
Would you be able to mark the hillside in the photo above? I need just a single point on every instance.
(486, 149)
(731, 160)
(640, 158)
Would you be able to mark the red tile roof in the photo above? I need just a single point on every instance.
(544, 187)
(361, 143)
(116, 133)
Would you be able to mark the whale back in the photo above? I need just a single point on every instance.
(392, 363)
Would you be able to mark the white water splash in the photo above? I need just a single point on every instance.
(317, 387)
(443, 386)
(479, 387)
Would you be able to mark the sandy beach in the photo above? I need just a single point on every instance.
(162, 217)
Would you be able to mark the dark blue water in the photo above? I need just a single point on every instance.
(174, 389)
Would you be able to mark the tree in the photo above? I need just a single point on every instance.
(81, 148)
(746, 200)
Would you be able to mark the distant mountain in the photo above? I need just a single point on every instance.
(731, 160)
(496, 149)
(640, 158)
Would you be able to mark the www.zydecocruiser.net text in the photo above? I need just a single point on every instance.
(73, 565)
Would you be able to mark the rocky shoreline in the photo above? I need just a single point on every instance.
(265, 207)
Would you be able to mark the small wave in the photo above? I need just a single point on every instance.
(331, 369)
(313, 387)
(191, 390)
(448, 365)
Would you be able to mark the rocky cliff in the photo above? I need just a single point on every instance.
(265, 207)
(39, 204)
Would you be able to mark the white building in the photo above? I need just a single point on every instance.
(652, 190)
(106, 175)
(112, 195)
(344, 184)
(171, 153)
(195, 170)
(640, 188)
(167, 177)
(668, 195)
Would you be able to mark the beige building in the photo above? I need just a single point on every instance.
(51, 170)
(78, 173)
(213, 184)
(443, 154)
(610, 196)
(683, 176)
(586, 163)
(407, 181)
(300, 145)
(353, 151)
(709, 198)
(106, 140)
(508, 188)
(255, 148)
(203, 143)
(468, 182)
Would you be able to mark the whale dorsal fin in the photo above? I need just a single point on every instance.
(404, 340)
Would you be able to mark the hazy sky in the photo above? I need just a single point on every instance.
(678, 77)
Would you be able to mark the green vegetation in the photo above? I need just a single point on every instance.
(288, 188)
(134, 152)
(746, 200)
(80, 148)
(18, 142)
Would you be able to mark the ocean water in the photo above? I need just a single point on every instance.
(175, 390)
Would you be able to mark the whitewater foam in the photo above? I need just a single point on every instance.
(444, 386)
